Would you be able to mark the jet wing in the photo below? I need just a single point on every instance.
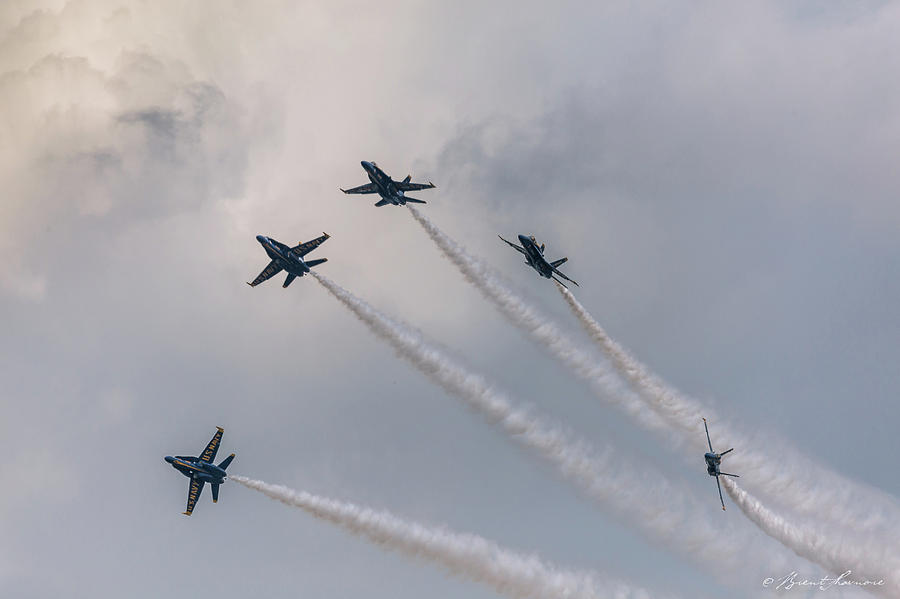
(209, 454)
(407, 186)
(512, 245)
(305, 248)
(367, 188)
(193, 495)
(270, 271)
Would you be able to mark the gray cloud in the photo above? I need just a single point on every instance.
(719, 176)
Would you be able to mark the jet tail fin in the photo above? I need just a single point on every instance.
(415, 201)
(311, 263)
(215, 492)
(224, 463)
(408, 177)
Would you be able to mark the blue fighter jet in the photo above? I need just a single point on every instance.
(713, 460)
(202, 470)
(288, 259)
(534, 257)
(391, 192)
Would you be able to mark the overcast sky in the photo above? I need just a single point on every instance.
(722, 177)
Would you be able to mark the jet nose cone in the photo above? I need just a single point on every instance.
(524, 238)
(170, 459)
(260, 238)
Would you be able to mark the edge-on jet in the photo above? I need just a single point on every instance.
(289, 259)
(534, 257)
(391, 192)
(201, 470)
(713, 460)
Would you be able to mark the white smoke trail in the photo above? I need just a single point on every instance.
(543, 329)
(473, 557)
(646, 498)
(798, 482)
(802, 484)
(866, 562)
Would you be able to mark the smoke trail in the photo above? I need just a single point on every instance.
(804, 486)
(467, 555)
(798, 481)
(659, 508)
(867, 562)
(543, 329)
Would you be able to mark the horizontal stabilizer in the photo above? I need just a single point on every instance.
(415, 201)
(289, 279)
(226, 462)
(311, 263)
(556, 263)
(726, 451)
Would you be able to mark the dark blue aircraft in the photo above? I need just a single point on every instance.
(713, 460)
(391, 192)
(534, 257)
(202, 470)
(288, 259)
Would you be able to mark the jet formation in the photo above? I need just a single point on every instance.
(288, 259)
(713, 460)
(534, 257)
(201, 470)
(391, 192)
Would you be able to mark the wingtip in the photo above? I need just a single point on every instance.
(185, 513)
(704, 419)
(327, 236)
(220, 429)
(723, 508)
(249, 283)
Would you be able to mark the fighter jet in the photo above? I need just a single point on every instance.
(713, 460)
(202, 470)
(534, 257)
(289, 259)
(391, 192)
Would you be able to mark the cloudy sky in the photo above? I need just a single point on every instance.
(722, 177)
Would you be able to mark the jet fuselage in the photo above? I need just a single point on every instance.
(283, 256)
(195, 468)
(534, 256)
(383, 183)
(713, 461)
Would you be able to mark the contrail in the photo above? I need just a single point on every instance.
(797, 482)
(525, 316)
(467, 555)
(865, 561)
(659, 508)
